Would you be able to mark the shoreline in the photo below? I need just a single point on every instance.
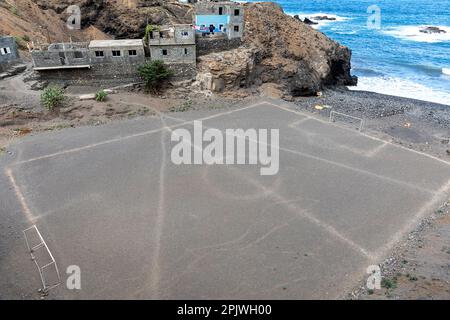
(402, 88)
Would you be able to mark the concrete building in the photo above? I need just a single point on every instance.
(226, 17)
(173, 44)
(87, 55)
(117, 51)
(9, 54)
(61, 56)
(102, 62)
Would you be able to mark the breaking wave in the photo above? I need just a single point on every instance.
(402, 88)
(320, 23)
(413, 33)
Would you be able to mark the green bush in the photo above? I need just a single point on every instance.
(389, 283)
(26, 38)
(154, 73)
(52, 97)
(148, 29)
(101, 96)
(14, 10)
(187, 105)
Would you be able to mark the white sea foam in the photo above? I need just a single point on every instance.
(321, 23)
(446, 71)
(413, 33)
(402, 88)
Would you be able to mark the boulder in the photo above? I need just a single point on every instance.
(319, 18)
(432, 30)
(309, 22)
(227, 70)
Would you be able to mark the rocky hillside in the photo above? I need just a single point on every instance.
(123, 18)
(282, 50)
(27, 21)
(43, 20)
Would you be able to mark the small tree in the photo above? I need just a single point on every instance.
(148, 30)
(101, 96)
(154, 73)
(52, 97)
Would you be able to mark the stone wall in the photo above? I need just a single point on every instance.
(207, 45)
(46, 59)
(175, 53)
(109, 75)
(184, 71)
(102, 75)
(8, 59)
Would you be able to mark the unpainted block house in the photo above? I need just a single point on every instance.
(9, 55)
(173, 44)
(86, 55)
(117, 51)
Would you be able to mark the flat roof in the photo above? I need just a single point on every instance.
(83, 66)
(115, 43)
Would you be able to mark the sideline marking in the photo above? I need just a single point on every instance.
(341, 165)
(25, 208)
(93, 145)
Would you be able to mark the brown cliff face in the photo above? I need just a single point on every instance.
(294, 54)
(41, 20)
(123, 18)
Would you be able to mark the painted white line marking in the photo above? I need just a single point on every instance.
(372, 153)
(26, 210)
(316, 140)
(341, 165)
(93, 145)
(361, 133)
(295, 123)
(288, 204)
(426, 209)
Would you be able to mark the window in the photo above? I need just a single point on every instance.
(220, 11)
(78, 55)
(237, 12)
(4, 51)
(132, 53)
(185, 51)
(99, 54)
(164, 52)
(116, 53)
(236, 28)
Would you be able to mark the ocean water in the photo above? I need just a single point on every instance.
(396, 59)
